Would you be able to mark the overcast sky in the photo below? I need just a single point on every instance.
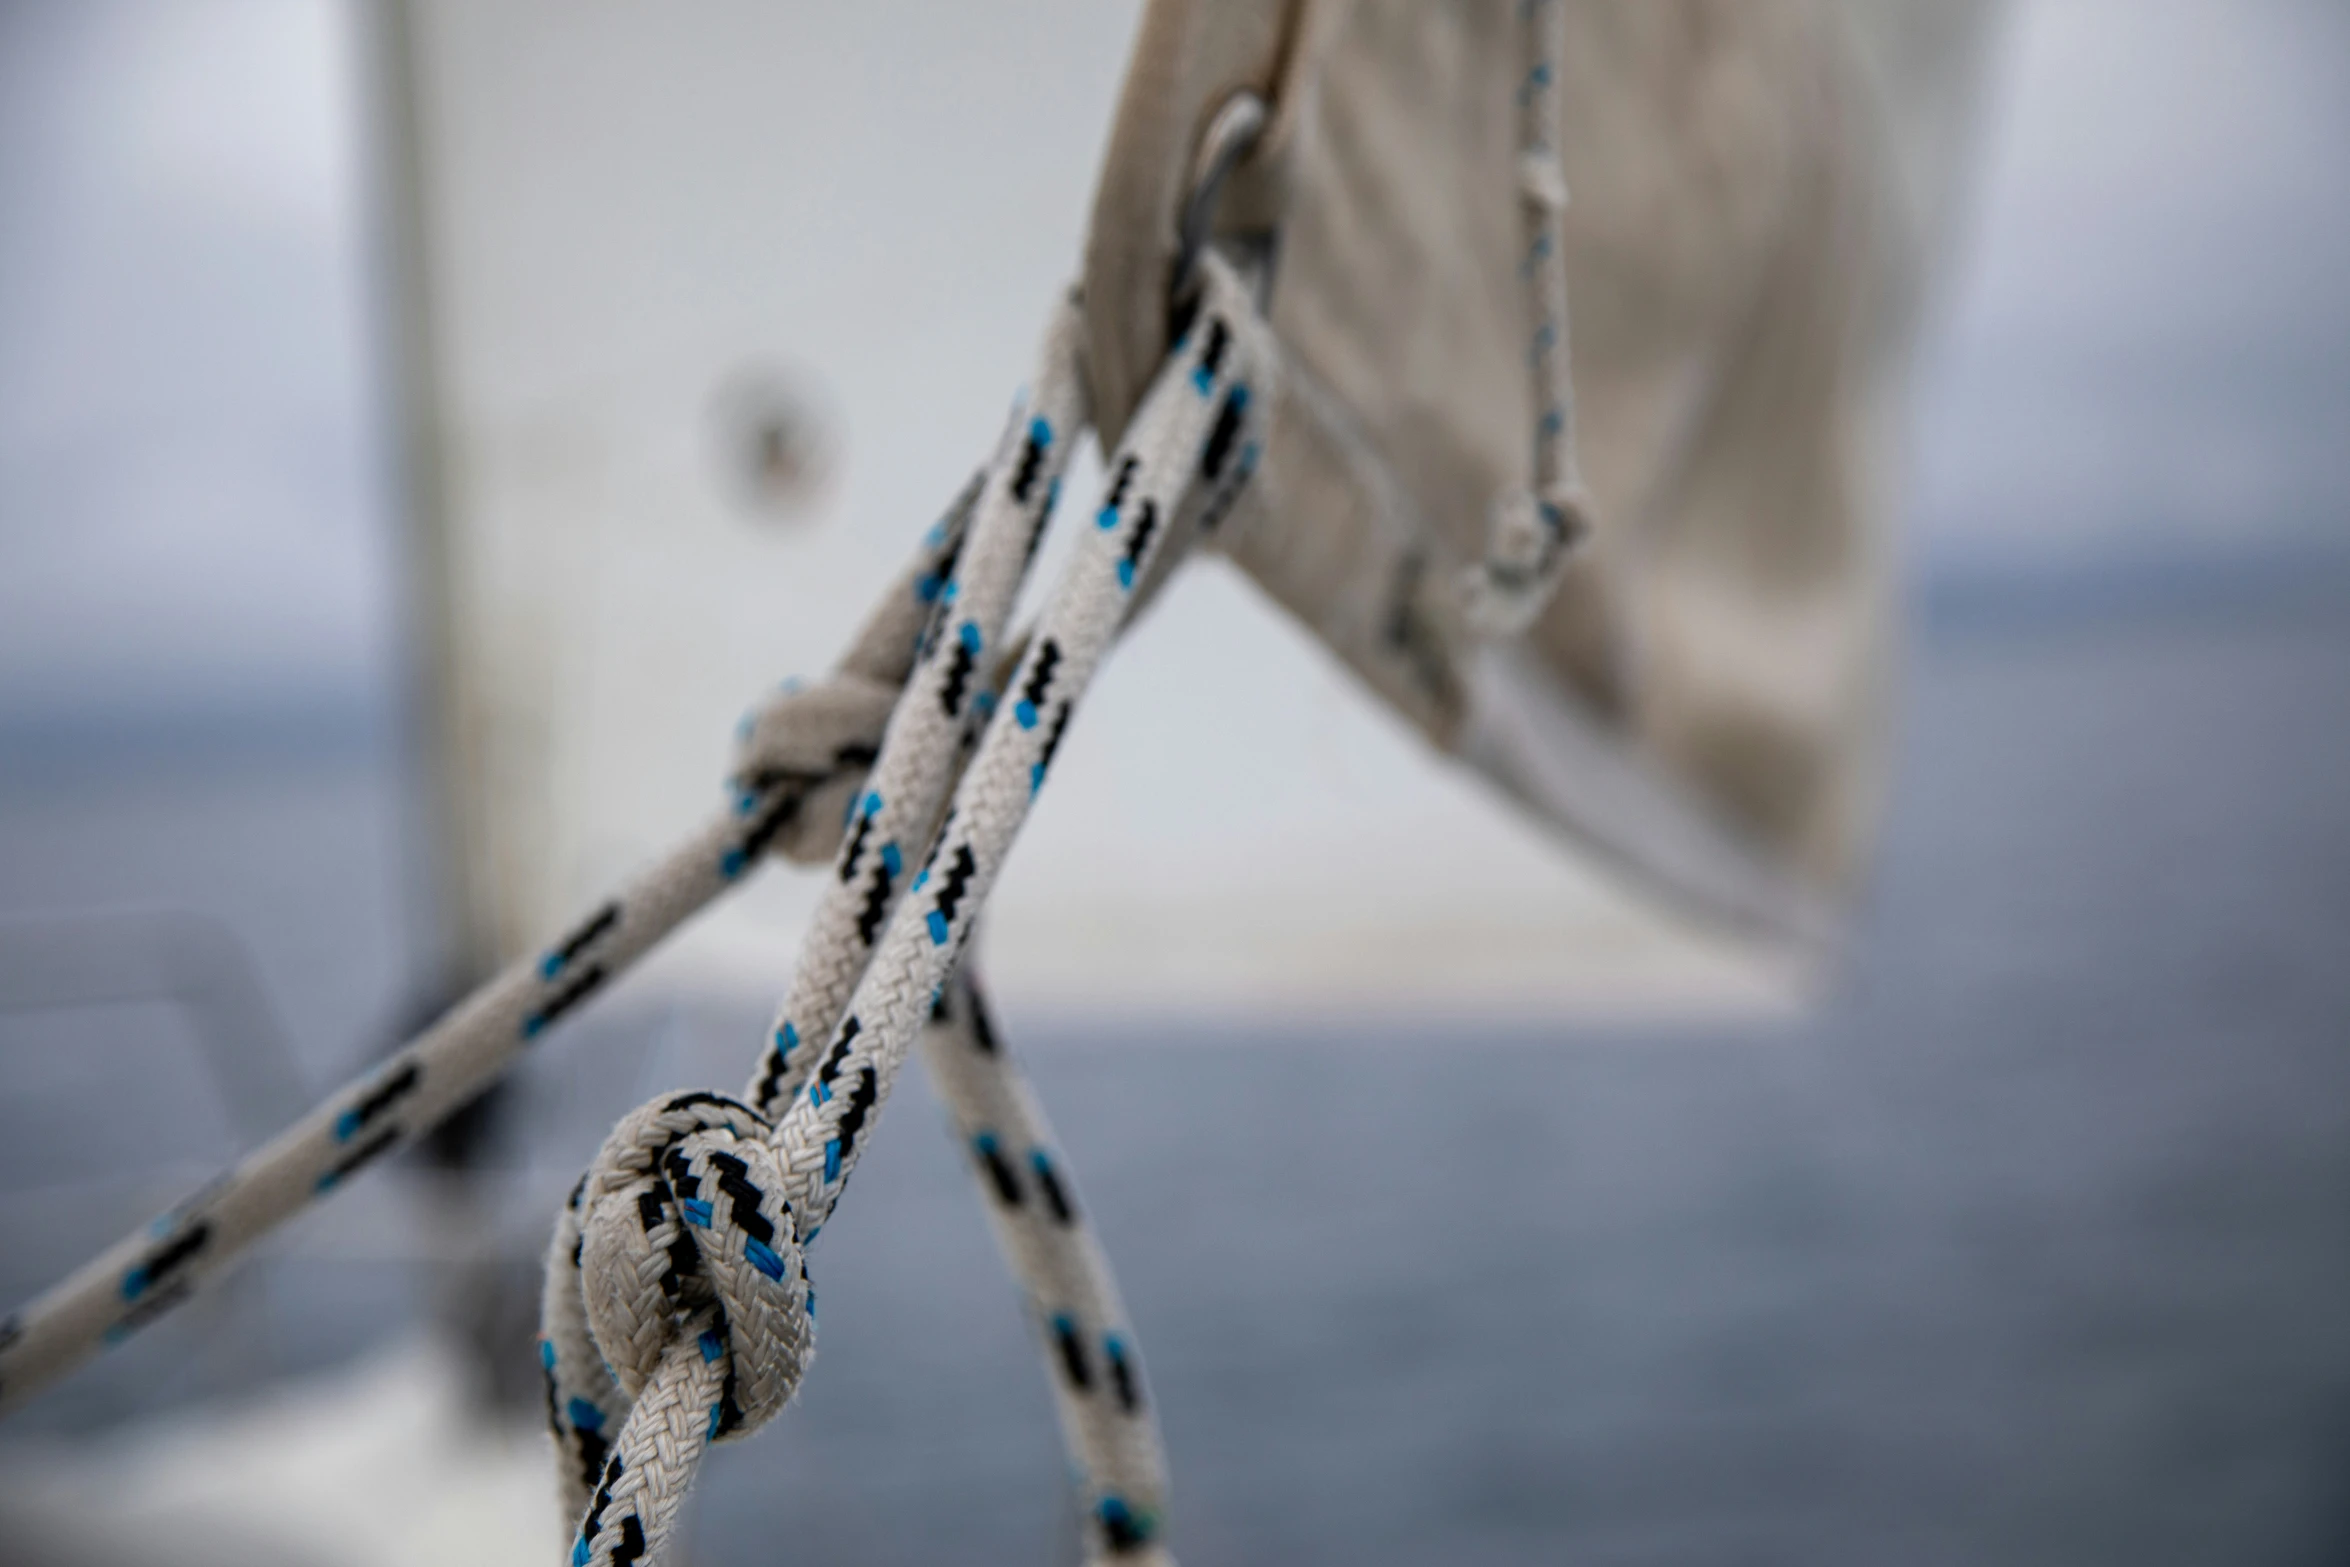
(185, 457)
(2147, 340)
(2145, 345)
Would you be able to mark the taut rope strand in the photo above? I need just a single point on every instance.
(680, 1311)
(599, 1347)
(946, 693)
(1107, 1419)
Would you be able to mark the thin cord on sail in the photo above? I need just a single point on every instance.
(1532, 532)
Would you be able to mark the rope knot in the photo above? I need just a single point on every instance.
(677, 1311)
(684, 1233)
(821, 736)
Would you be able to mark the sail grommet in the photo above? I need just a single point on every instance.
(1232, 133)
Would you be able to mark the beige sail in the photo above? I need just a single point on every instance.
(713, 325)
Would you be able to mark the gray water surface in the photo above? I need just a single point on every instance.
(2032, 1247)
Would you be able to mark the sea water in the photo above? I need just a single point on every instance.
(2032, 1245)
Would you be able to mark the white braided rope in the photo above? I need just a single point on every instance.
(734, 1339)
(806, 746)
(1532, 532)
(599, 1344)
(822, 737)
(926, 733)
(1025, 1184)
